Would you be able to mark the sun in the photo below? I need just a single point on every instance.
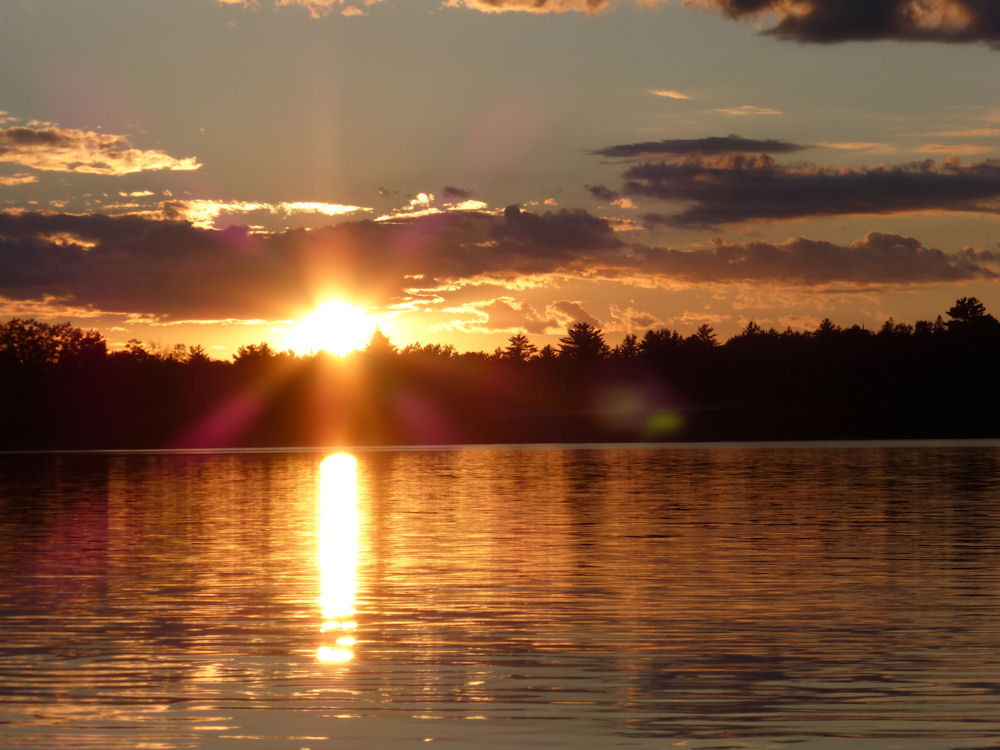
(336, 327)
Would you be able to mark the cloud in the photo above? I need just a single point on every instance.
(631, 320)
(21, 178)
(172, 270)
(969, 133)
(316, 8)
(502, 314)
(204, 213)
(456, 193)
(427, 204)
(877, 259)
(668, 94)
(533, 6)
(54, 149)
(857, 146)
(822, 21)
(320, 8)
(748, 109)
(955, 149)
(866, 20)
(602, 193)
(567, 313)
(739, 187)
(178, 270)
(709, 146)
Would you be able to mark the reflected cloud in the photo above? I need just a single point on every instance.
(338, 554)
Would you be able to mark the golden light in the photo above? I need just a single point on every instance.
(338, 553)
(336, 327)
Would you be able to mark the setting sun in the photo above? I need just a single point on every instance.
(336, 327)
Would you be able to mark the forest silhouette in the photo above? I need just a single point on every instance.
(935, 379)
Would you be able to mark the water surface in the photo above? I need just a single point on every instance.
(839, 596)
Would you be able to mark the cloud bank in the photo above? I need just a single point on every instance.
(740, 187)
(174, 270)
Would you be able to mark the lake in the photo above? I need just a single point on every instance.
(703, 596)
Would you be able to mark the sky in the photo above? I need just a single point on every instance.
(209, 172)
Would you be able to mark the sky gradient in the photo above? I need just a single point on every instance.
(210, 172)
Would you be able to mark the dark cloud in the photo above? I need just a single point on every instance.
(737, 187)
(881, 259)
(866, 20)
(177, 271)
(602, 193)
(171, 268)
(452, 193)
(700, 146)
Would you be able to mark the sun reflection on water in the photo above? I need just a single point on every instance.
(338, 554)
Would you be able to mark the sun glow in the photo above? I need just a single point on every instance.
(335, 327)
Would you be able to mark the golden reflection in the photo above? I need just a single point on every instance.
(338, 553)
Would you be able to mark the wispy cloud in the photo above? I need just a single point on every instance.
(204, 213)
(728, 144)
(53, 149)
(534, 6)
(954, 149)
(969, 133)
(21, 178)
(748, 110)
(668, 94)
(857, 146)
(316, 8)
(426, 204)
(502, 314)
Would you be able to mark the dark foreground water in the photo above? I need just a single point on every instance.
(843, 596)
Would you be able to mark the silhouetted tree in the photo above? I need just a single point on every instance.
(429, 351)
(584, 342)
(705, 334)
(31, 342)
(928, 380)
(628, 348)
(254, 353)
(969, 313)
(519, 349)
(379, 344)
(826, 329)
(660, 343)
(196, 354)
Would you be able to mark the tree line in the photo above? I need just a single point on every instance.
(932, 379)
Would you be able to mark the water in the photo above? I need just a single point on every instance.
(843, 596)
